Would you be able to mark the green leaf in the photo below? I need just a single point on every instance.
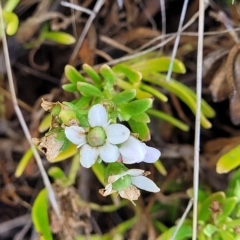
(232, 224)
(126, 85)
(209, 230)
(183, 233)
(87, 90)
(73, 75)
(163, 116)
(160, 64)
(132, 75)
(227, 207)
(108, 75)
(203, 212)
(82, 102)
(59, 37)
(11, 21)
(69, 87)
(70, 151)
(23, 163)
(99, 171)
(229, 160)
(45, 123)
(206, 109)
(179, 91)
(137, 106)
(154, 92)
(40, 215)
(10, 5)
(160, 167)
(234, 185)
(93, 75)
(141, 129)
(226, 235)
(141, 117)
(124, 96)
(57, 173)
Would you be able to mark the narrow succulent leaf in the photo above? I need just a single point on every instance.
(160, 167)
(82, 102)
(11, 21)
(229, 160)
(234, 185)
(45, 123)
(10, 5)
(87, 90)
(160, 64)
(23, 162)
(59, 37)
(206, 109)
(124, 96)
(137, 106)
(82, 118)
(132, 75)
(141, 117)
(185, 232)
(227, 207)
(98, 170)
(124, 115)
(154, 92)
(108, 75)
(126, 85)
(73, 75)
(56, 173)
(69, 87)
(203, 212)
(163, 116)
(40, 215)
(69, 152)
(226, 235)
(232, 224)
(160, 80)
(93, 75)
(209, 230)
(141, 129)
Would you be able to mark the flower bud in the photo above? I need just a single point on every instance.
(67, 115)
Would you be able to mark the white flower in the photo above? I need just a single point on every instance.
(127, 182)
(134, 151)
(100, 140)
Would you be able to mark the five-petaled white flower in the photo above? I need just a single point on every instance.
(126, 182)
(134, 151)
(100, 140)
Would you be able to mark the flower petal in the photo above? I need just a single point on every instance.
(135, 172)
(109, 153)
(117, 133)
(97, 116)
(76, 135)
(132, 151)
(145, 184)
(88, 155)
(152, 154)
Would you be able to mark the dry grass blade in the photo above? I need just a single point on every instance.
(184, 10)
(93, 13)
(46, 181)
(189, 206)
(198, 113)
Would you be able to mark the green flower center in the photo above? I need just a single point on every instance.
(96, 137)
(122, 183)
